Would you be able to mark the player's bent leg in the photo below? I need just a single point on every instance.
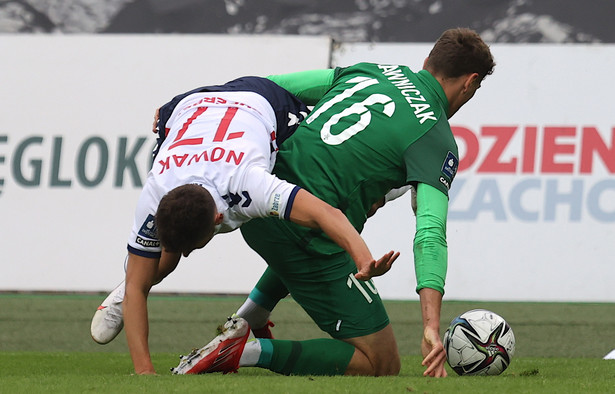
(349, 310)
(324, 357)
(235, 348)
(375, 355)
(262, 299)
(319, 357)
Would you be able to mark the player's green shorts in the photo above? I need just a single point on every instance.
(324, 285)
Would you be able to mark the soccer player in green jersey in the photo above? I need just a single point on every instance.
(377, 128)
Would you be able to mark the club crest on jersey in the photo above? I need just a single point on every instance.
(148, 228)
(449, 167)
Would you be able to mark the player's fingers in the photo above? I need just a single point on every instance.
(430, 370)
(439, 371)
(428, 359)
(394, 257)
(377, 268)
(443, 372)
(388, 259)
(435, 356)
(435, 368)
(436, 373)
(382, 266)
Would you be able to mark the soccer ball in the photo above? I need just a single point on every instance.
(479, 342)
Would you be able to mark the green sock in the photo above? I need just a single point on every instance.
(312, 357)
(269, 290)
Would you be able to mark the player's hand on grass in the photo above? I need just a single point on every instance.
(377, 268)
(145, 370)
(433, 353)
(143, 373)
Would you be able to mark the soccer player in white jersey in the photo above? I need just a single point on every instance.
(215, 154)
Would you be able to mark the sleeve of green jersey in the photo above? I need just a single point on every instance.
(430, 249)
(428, 159)
(308, 86)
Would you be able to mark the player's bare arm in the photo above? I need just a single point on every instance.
(312, 212)
(168, 263)
(141, 272)
(434, 355)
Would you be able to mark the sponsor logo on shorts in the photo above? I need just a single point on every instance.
(148, 228)
(148, 243)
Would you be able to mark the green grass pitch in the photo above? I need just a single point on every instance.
(45, 347)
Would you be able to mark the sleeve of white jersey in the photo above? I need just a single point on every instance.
(143, 240)
(269, 195)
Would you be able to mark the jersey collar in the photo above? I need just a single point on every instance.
(435, 86)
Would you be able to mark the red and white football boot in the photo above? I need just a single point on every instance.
(220, 355)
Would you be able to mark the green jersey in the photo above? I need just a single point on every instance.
(378, 127)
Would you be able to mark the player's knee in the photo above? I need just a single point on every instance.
(374, 363)
(375, 355)
(388, 365)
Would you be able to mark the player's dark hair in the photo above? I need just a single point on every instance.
(185, 217)
(459, 52)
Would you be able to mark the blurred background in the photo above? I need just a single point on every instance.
(502, 21)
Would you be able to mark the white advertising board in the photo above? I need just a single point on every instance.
(532, 209)
(75, 147)
(532, 214)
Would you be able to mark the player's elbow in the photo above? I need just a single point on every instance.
(323, 216)
(329, 212)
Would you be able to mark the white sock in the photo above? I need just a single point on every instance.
(251, 353)
(255, 315)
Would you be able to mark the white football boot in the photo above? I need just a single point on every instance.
(108, 320)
